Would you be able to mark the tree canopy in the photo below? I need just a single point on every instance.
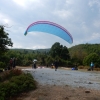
(60, 51)
(5, 41)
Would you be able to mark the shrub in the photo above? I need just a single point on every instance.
(2, 65)
(17, 85)
(4, 76)
(8, 74)
(15, 72)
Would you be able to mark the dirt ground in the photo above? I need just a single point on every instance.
(54, 92)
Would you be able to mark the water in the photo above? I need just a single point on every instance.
(74, 78)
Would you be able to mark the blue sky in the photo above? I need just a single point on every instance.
(80, 17)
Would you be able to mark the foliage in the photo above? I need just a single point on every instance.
(93, 57)
(8, 74)
(67, 57)
(57, 52)
(60, 51)
(17, 83)
(49, 60)
(5, 41)
(79, 52)
(2, 65)
(32, 51)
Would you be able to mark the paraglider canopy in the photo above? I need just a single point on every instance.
(51, 28)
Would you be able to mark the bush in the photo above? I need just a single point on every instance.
(8, 74)
(15, 72)
(16, 85)
(2, 65)
(24, 81)
(93, 57)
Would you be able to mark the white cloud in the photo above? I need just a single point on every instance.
(69, 1)
(63, 14)
(79, 17)
(93, 2)
(29, 4)
(17, 45)
(5, 20)
(95, 36)
(90, 38)
(97, 23)
(21, 2)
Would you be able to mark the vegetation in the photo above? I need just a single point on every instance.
(25, 57)
(5, 41)
(14, 82)
(60, 53)
(67, 57)
(83, 54)
(92, 57)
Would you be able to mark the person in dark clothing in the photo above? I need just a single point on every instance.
(56, 65)
(14, 62)
(11, 63)
(76, 67)
(34, 65)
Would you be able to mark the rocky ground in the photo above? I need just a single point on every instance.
(54, 92)
(60, 92)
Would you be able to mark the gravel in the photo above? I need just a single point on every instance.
(74, 78)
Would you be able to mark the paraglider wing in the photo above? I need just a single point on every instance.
(50, 27)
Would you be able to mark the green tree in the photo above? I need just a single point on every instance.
(49, 60)
(55, 50)
(59, 51)
(93, 57)
(5, 41)
(64, 53)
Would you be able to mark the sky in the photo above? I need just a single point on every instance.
(80, 17)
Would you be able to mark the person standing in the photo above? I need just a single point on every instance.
(56, 65)
(14, 62)
(92, 66)
(34, 65)
(11, 63)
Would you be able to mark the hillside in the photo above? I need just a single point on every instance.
(31, 50)
(85, 48)
(81, 48)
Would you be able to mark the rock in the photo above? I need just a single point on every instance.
(90, 83)
(66, 98)
(87, 91)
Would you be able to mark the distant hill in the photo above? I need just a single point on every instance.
(81, 48)
(85, 48)
(31, 50)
